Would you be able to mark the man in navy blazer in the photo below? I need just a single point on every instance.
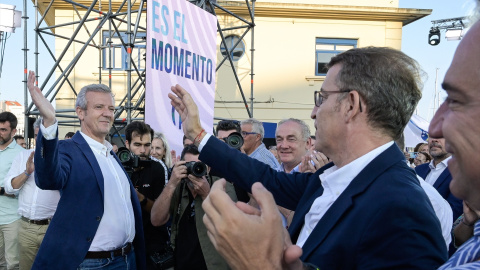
(365, 210)
(437, 174)
(98, 221)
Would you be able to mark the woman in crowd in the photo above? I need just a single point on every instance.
(422, 157)
(161, 150)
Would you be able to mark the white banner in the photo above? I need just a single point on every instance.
(416, 131)
(181, 49)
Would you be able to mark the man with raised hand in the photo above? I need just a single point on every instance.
(98, 222)
(363, 210)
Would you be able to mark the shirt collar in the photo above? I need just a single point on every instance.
(337, 179)
(257, 149)
(442, 165)
(11, 145)
(101, 148)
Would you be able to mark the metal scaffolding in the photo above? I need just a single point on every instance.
(110, 21)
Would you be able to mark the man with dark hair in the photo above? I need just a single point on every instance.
(9, 219)
(20, 140)
(226, 127)
(437, 174)
(363, 210)
(69, 135)
(98, 221)
(35, 206)
(148, 182)
(181, 201)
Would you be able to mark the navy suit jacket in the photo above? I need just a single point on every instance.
(442, 185)
(71, 167)
(383, 219)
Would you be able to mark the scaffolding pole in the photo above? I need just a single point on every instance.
(131, 104)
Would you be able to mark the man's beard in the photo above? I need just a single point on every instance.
(2, 141)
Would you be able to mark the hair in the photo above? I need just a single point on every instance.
(9, 117)
(257, 126)
(389, 82)
(69, 134)
(141, 128)
(189, 149)
(227, 125)
(305, 129)
(99, 88)
(428, 157)
(37, 123)
(18, 137)
(415, 150)
(168, 156)
(400, 141)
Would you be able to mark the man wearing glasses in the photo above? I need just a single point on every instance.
(363, 210)
(252, 133)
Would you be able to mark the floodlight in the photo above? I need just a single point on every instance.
(434, 36)
(454, 34)
(9, 18)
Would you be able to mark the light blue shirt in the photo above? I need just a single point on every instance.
(468, 255)
(262, 154)
(8, 205)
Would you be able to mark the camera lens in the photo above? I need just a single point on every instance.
(234, 140)
(198, 169)
(123, 154)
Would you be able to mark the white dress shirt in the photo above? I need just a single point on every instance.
(117, 226)
(442, 209)
(33, 203)
(435, 172)
(334, 181)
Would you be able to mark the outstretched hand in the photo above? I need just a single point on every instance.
(246, 237)
(43, 105)
(188, 111)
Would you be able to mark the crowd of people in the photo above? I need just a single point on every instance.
(345, 198)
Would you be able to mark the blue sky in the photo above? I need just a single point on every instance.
(414, 43)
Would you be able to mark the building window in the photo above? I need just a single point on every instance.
(237, 52)
(119, 54)
(326, 48)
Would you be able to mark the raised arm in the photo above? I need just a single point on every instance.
(43, 105)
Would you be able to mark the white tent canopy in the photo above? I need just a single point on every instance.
(416, 131)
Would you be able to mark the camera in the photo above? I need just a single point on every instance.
(128, 158)
(234, 140)
(196, 168)
(130, 161)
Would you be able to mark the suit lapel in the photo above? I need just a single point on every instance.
(345, 201)
(92, 160)
(423, 170)
(444, 176)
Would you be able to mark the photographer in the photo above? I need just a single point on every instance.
(182, 199)
(148, 179)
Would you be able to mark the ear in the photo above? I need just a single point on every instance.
(309, 143)
(352, 105)
(127, 144)
(80, 113)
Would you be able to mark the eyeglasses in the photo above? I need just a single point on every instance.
(318, 98)
(244, 133)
